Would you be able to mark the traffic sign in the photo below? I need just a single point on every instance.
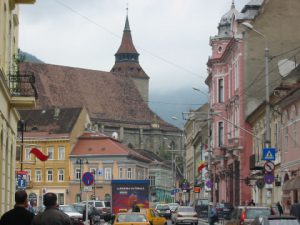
(88, 178)
(208, 184)
(269, 153)
(22, 179)
(260, 183)
(269, 178)
(174, 191)
(87, 188)
(269, 167)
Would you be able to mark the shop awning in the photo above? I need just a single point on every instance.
(292, 184)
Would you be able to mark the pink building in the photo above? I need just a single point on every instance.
(230, 144)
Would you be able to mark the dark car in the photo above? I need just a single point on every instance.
(93, 213)
(227, 208)
(163, 210)
(201, 207)
(276, 220)
(295, 210)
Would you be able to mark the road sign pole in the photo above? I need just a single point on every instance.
(86, 209)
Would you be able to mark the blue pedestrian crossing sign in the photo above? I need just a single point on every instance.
(269, 154)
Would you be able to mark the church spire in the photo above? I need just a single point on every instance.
(232, 5)
(127, 51)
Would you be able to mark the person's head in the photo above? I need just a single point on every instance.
(50, 200)
(21, 198)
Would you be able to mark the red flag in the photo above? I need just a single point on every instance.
(201, 166)
(38, 153)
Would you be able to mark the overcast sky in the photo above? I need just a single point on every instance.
(172, 36)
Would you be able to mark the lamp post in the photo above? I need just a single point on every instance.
(80, 161)
(21, 128)
(267, 115)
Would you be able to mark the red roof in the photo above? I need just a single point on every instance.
(98, 144)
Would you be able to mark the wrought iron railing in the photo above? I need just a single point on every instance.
(22, 84)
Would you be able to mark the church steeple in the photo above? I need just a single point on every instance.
(127, 51)
(127, 63)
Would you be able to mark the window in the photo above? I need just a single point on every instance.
(107, 173)
(28, 175)
(49, 175)
(295, 134)
(152, 180)
(93, 171)
(61, 173)
(61, 153)
(221, 90)
(286, 136)
(77, 174)
(27, 154)
(61, 198)
(129, 173)
(50, 151)
(38, 175)
(121, 176)
(236, 75)
(221, 134)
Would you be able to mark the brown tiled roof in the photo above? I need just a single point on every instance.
(127, 43)
(42, 121)
(92, 143)
(107, 97)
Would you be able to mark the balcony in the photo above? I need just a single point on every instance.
(22, 90)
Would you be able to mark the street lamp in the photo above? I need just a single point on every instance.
(80, 161)
(267, 115)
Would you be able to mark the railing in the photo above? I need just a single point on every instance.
(22, 84)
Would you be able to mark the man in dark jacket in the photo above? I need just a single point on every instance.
(19, 215)
(52, 215)
(135, 207)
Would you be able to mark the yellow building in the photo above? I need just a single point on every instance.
(53, 132)
(12, 96)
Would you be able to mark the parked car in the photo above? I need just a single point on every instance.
(103, 207)
(153, 217)
(185, 214)
(74, 215)
(201, 207)
(224, 209)
(93, 213)
(131, 219)
(276, 220)
(163, 210)
(247, 214)
(173, 206)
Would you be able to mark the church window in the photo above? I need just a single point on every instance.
(221, 134)
(221, 90)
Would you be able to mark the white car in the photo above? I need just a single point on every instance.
(71, 211)
(185, 214)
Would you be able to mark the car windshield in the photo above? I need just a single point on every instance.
(131, 218)
(283, 222)
(185, 209)
(68, 208)
(202, 202)
(107, 204)
(99, 204)
(163, 207)
(257, 212)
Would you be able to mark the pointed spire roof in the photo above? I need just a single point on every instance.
(127, 43)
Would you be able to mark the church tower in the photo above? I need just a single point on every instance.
(127, 63)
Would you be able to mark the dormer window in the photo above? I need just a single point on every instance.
(220, 49)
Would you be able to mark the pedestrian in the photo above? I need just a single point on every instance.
(213, 216)
(135, 207)
(19, 215)
(279, 207)
(251, 203)
(52, 215)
